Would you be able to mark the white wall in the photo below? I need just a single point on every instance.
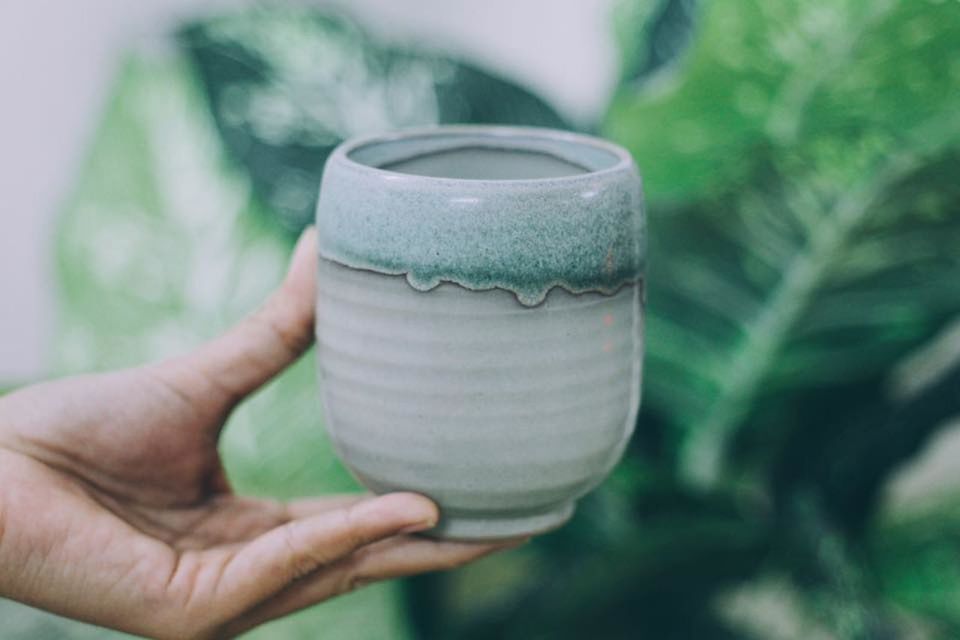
(57, 57)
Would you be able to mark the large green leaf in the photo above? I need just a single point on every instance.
(808, 150)
(286, 85)
(162, 245)
(158, 251)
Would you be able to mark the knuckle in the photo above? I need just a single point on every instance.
(351, 580)
(354, 532)
(280, 318)
(302, 561)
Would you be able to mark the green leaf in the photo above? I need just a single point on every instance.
(916, 562)
(864, 450)
(285, 85)
(158, 251)
(638, 583)
(652, 36)
(814, 220)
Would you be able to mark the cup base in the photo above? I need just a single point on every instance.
(488, 527)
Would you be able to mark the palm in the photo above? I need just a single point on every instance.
(159, 474)
(114, 506)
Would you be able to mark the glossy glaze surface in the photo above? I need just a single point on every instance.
(480, 319)
(501, 413)
(582, 232)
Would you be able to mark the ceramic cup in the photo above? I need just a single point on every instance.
(480, 319)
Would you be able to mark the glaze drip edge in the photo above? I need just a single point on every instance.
(526, 297)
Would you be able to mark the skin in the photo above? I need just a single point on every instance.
(115, 508)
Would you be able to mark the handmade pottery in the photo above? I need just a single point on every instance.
(479, 319)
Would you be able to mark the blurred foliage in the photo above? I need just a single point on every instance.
(800, 162)
(807, 236)
(803, 338)
(207, 160)
(162, 247)
(287, 86)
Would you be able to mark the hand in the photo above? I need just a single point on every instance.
(115, 509)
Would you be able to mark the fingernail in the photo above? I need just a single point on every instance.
(423, 525)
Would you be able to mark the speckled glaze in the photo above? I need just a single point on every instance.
(480, 338)
(582, 232)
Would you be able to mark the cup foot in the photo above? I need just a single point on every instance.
(477, 527)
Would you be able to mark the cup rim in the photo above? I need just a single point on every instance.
(623, 159)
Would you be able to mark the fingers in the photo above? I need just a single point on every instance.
(393, 558)
(264, 343)
(279, 557)
(305, 507)
(229, 520)
(405, 556)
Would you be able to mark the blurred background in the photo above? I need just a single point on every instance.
(57, 77)
(795, 470)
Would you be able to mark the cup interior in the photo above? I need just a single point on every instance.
(484, 156)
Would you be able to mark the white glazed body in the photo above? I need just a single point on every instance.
(504, 414)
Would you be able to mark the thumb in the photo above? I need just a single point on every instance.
(265, 342)
(273, 561)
